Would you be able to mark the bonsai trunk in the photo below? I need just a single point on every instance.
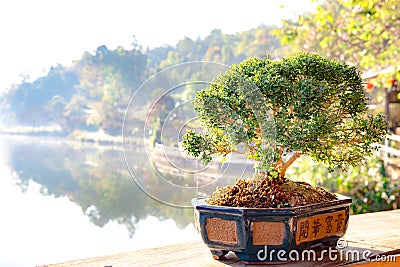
(281, 166)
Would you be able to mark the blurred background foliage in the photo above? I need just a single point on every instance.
(366, 184)
(364, 33)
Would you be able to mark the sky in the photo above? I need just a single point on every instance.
(38, 34)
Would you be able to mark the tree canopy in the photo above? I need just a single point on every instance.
(280, 110)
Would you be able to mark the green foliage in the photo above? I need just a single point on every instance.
(107, 82)
(222, 48)
(364, 33)
(203, 145)
(305, 104)
(93, 94)
(41, 102)
(364, 183)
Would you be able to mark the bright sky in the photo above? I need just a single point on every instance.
(36, 34)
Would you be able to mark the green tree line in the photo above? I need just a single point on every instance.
(92, 94)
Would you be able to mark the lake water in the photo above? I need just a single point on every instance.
(62, 201)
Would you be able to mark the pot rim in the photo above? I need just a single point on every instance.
(199, 203)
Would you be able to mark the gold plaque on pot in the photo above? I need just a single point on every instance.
(320, 226)
(223, 231)
(268, 233)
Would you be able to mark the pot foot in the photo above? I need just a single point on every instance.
(218, 254)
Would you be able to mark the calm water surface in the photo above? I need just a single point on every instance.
(62, 201)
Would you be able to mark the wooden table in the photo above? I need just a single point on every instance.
(375, 234)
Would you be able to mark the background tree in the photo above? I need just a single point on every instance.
(363, 33)
(108, 79)
(41, 102)
(93, 93)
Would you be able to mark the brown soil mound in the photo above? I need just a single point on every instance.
(269, 193)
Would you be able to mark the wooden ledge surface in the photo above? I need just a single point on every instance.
(378, 232)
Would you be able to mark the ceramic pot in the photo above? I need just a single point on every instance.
(253, 233)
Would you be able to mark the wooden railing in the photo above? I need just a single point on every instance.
(390, 155)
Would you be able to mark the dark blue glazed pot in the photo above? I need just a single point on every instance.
(270, 235)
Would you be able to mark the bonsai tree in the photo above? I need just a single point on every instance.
(275, 111)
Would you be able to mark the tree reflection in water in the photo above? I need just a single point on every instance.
(94, 177)
(97, 179)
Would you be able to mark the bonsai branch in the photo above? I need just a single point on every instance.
(227, 151)
(295, 156)
(251, 149)
(282, 165)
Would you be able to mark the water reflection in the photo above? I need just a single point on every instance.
(97, 179)
(51, 188)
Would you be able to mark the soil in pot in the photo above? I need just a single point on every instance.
(264, 191)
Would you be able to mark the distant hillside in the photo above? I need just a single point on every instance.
(93, 93)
